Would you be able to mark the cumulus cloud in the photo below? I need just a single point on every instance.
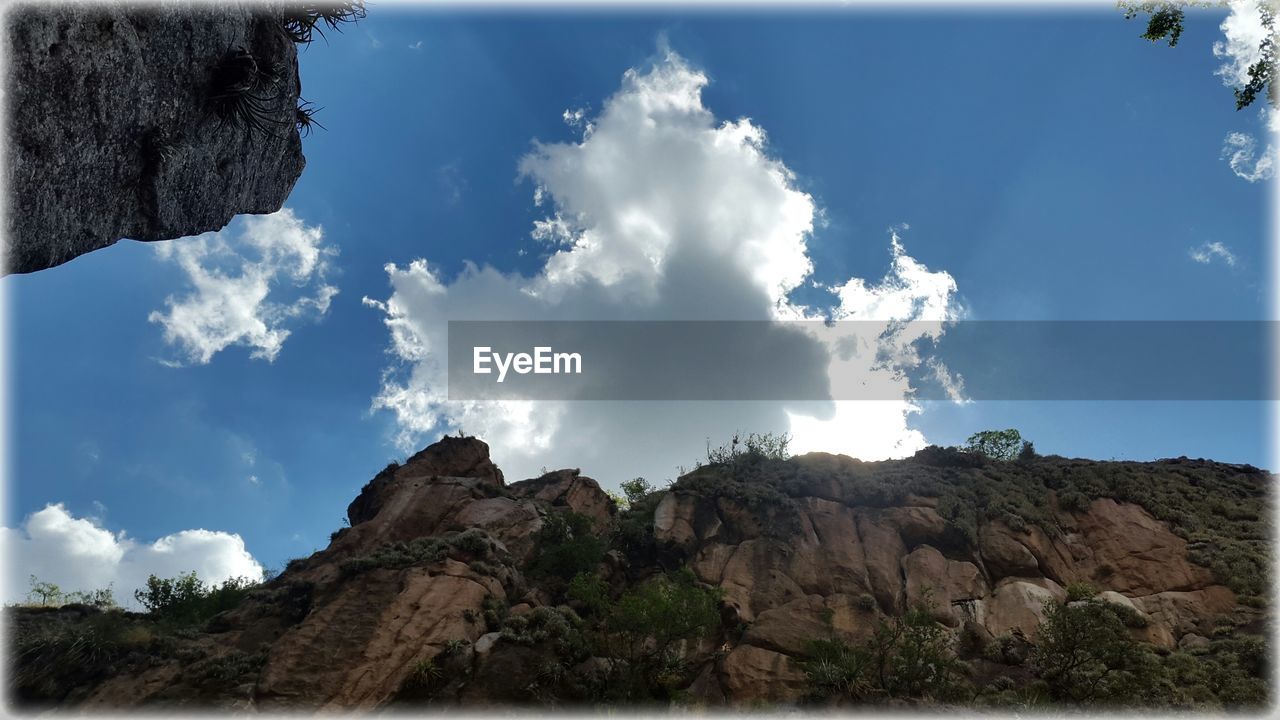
(246, 288)
(660, 211)
(1241, 153)
(1243, 33)
(1212, 251)
(79, 554)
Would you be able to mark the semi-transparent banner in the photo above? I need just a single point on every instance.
(860, 360)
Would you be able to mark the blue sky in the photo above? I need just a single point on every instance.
(1056, 166)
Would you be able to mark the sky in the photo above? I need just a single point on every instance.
(214, 403)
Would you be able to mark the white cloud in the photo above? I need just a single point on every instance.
(1241, 153)
(246, 288)
(660, 211)
(79, 554)
(1243, 33)
(1212, 251)
(416, 46)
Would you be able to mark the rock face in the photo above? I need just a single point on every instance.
(121, 126)
(420, 591)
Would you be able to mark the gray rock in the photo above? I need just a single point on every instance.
(486, 642)
(1192, 641)
(114, 131)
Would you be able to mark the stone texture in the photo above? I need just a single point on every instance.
(112, 133)
(941, 581)
(1004, 554)
(451, 457)
(884, 552)
(839, 569)
(752, 674)
(1135, 554)
(572, 490)
(1172, 615)
(673, 520)
(788, 629)
(1017, 604)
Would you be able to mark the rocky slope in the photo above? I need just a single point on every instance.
(444, 590)
(123, 123)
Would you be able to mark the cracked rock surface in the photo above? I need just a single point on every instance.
(114, 129)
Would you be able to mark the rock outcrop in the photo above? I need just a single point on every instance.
(134, 122)
(431, 594)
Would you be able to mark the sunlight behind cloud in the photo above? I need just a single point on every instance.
(660, 211)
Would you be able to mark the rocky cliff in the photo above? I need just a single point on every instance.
(143, 122)
(452, 587)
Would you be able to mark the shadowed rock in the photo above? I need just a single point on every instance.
(126, 122)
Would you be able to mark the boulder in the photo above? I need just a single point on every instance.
(1017, 604)
(1134, 553)
(450, 457)
(916, 525)
(673, 520)
(1003, 554)
(883, 553)
(790, 628)
(114, 132)
(1192, 642)
(572, 490)
(486, 642)
(1171, 615)
(755, 578)
(933, 577)
(1116, 598)
(751, 674)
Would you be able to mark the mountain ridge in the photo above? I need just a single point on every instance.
(454, 588)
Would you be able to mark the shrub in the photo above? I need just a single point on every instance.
(1085, 654)
(474, 544)
(768, 446)
(425, 675)
(225, 671)
(1003, 683)
(907, 657)
(835, 669)
(641, 632)
(1073, 501)
(1080, 591)
(301, 22)
(186, 600)
(50, 660)
(995, 444)
(50, 595)
(566, 547)
(46, 592)
(633, 527)
(914, 657)
(589, 591)
(541, 624)
(635, 491)
(865, 602)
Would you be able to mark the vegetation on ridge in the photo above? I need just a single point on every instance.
(599, 613)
